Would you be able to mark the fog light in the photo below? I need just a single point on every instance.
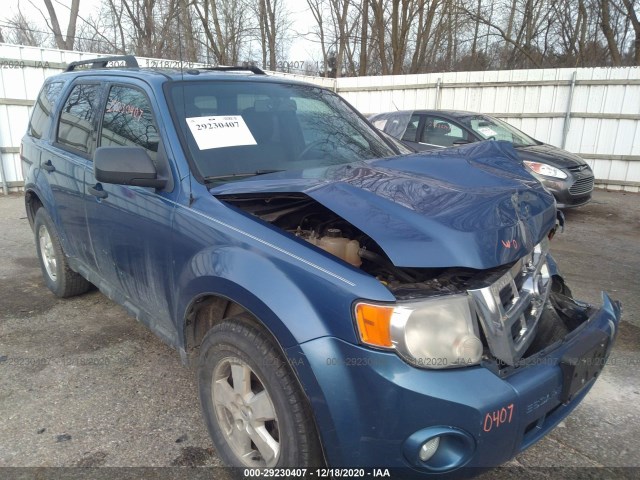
(429, 449)
(439, 449)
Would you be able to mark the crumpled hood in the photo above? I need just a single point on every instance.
(471, 206)
(554, 156)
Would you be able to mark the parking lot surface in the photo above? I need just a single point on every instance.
(82, 384)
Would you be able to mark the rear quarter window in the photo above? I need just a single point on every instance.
(41, 117)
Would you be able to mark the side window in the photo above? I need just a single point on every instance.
(41, 116)
(438, 131)
(412, 129)
(77, 117)
(128, 121)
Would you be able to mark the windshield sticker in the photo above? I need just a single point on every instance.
(220, 131)
(487, 132)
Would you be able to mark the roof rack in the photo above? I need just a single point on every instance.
(129, 60)
(239, 68)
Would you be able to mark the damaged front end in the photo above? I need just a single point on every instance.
(511, 312)
(476, 304)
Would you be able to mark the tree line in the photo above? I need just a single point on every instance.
(352, 37)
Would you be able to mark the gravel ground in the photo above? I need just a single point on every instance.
(83, 384)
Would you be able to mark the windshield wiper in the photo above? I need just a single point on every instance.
(240, 175)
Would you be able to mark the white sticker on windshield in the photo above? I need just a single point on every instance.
(487, 132)
(220, 131)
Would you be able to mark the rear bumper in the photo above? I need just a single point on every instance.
(374, 410)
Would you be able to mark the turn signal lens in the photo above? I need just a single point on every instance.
(374, 324)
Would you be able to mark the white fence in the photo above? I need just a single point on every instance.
(594, 112)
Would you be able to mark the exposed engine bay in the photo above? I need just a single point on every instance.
(547, 317)
(306, 219)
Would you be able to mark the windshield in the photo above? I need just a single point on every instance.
(244, 128)
(490, 128)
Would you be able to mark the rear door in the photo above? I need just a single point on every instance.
(130, 227)
(65, 164)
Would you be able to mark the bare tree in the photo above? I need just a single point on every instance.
(427, 11)
(268, 31)
(339, 12)
(609, 34)
(224, 23)
(355, 37)
(67, 42)
(21, 31)
(364, 34)
(148, 27)
(318, 10)
(527, 25)
(629, 11)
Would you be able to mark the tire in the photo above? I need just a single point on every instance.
(259, 417)
(57, 274)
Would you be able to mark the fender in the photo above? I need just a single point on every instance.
(264, 286)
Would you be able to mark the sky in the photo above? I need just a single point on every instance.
(302, 21)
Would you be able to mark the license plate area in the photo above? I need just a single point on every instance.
(582, 363)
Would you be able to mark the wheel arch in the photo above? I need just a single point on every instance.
(281, 296)
(203, 313)
(210, 308)
(32, 203)
(223, 299)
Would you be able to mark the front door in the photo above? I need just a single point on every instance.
(130, 227)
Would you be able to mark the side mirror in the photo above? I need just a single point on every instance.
(126, 166)
(461, 142)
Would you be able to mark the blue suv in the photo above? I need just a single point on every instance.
(346, 306)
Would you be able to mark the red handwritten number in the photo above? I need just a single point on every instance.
(509, 243)
(487, 418)
(497, 418)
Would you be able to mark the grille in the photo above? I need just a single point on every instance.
(509, 309)
(582, 186)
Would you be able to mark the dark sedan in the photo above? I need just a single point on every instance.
(565, 174)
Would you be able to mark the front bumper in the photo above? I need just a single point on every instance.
(567, 192)
(371, 408)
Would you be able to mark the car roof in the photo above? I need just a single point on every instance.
(162, 75)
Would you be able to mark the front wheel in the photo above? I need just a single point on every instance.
(57, 273)
(253, 406)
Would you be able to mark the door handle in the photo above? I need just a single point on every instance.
(97, 191)
(48, 166)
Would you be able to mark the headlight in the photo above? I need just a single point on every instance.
(544, 169)
(430, 333)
